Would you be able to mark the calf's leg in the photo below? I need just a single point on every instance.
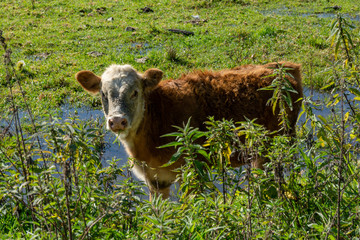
(159, 188)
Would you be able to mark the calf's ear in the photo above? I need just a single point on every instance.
(89, 81)
(151, 78)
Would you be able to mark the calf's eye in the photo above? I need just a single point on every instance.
(134, 94)
(103, 95)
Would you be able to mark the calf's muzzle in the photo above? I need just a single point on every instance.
(117, 123)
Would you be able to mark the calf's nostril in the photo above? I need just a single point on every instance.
(123, 122)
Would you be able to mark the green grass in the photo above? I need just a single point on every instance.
(55, 39)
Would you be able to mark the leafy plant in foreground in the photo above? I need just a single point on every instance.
(195, 171)
(281, 99)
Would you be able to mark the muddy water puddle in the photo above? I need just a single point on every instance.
(284, 11)
(112, 148)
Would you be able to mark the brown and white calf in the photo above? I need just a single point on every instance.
(140, 108)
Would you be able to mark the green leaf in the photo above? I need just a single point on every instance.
(173, 159)
(214, 229)
(337, 47)
(36, 170)
(274, 103)
(171, 144)
(357, 117)
(322, 119)
(288, 101)
(172, 135)
(332, 25)
(355, 91)
(348, 38)
(23, 185)
(71, 129)
(271, 75)
(204, 154)
(331, 237)
(317, 227)
(200, 167)
(306, 159)
(199, 135)
(333, 35)
(268, 88)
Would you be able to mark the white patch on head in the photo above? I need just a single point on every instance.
(120, 77)
(119, 71)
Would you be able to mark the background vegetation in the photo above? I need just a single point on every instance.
(54, 182)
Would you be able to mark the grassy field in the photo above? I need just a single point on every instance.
(56, 39)
(54, 183)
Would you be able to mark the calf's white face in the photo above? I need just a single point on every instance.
(123, 93)
(122, 99)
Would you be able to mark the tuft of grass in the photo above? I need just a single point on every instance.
(171, 54)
